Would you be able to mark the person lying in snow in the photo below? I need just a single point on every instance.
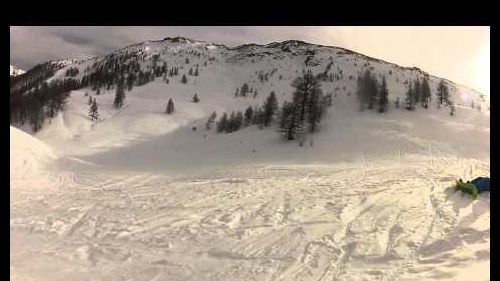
(475, 187)
(467, 187)
(482, 184)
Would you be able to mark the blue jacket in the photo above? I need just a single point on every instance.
(482, 183)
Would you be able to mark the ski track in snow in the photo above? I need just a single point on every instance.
(312, 222)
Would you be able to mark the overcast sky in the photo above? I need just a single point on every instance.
(461, 54)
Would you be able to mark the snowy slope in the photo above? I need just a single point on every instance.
(389, 220)
(15, 71)
(140, 195)
(28, 157)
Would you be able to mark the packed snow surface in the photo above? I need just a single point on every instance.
(377, 220)
(142, 195)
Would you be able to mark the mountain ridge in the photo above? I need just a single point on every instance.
(270, 45)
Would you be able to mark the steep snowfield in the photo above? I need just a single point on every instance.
(140, 195)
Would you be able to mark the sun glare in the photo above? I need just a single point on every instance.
(482, 72)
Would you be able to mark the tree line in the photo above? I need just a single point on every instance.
(373, 94)
(32, 99)
(302, 113)
(261, 115)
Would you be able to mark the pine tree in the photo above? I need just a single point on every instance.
(90, 101)
(270, 107)
(417, 92)
(373, 89)
(258, 117)
(231, 123)
(52, 107)
(210, 120)
(305, 86)
(195, 98)
(238, 121)
(442, 93)
(93, 112)
(222, 124)
(237, 92)
(426, 92)
(244, 90)
(383, 96)
(409, 98)
(119, 96)
(360, 93)
(130, 81)
(184, 79)
(282, 114)
(290, 120)
(248, 116)
(36, 115)
(316, 107)
(170, 107)
(315, 110)
(367, 90)
(308, 99)
(190, 71)
(196, 73)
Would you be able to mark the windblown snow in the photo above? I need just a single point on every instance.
(141, 195)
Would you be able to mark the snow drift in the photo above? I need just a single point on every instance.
(28, 156)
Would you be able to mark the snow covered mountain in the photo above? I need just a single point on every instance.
(146, 67)
(144, 195)
(15, 71)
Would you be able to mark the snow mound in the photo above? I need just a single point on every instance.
(28, 155)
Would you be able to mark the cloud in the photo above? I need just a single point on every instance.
(32, 45)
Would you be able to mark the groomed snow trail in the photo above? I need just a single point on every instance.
(380, 220)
